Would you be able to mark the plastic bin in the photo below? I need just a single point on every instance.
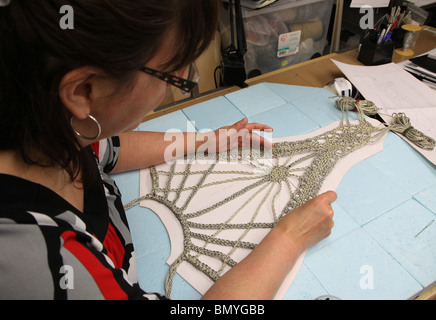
(285, 33)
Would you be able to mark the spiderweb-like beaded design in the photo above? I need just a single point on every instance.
(293, 170)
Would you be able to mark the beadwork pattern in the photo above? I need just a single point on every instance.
(292, 170)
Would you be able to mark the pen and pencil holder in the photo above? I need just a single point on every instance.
(398, 37)
(371, 53)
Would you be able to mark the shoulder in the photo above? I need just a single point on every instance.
(107, 151)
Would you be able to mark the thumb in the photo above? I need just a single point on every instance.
(329, 196)
(240, 124)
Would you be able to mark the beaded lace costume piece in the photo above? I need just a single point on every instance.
(224, 213)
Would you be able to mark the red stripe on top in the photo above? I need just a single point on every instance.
(114, 246)
(96, 148)
(104, 278)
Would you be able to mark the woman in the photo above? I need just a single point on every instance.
(69, 99)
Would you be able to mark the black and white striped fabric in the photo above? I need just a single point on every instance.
(50, 250)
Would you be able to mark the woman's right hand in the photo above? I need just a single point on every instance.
(309, 223)
(261, 273)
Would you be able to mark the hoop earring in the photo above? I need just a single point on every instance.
(85, 137)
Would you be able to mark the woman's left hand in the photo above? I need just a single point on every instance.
(239, 134)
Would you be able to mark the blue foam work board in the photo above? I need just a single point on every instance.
(283, 126)
(357, 267)
(427, 198)
(404, 166)
(172, 122)
(376, 202)
(305, 286)
(408, 234)
(256, 99)
(213, 114)
(366, 193)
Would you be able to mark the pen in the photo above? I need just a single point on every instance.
(406, 17)
(396, 23)
(381, 36)
(367, 33)
(379, 22)
(387, 37)
(388, 29)
(395, 12)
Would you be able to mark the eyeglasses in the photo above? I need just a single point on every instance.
(185, 85)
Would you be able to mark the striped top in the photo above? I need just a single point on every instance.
(50, 250)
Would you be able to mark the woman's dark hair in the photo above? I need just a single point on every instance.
(116, 36)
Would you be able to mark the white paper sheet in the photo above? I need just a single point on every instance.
(394, 90)
(371, 3)
(210, 195)
(422, 3)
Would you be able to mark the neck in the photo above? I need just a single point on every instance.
(53, 178)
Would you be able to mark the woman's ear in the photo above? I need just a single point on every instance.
(75, 91)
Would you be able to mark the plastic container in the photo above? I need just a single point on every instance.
(285, 33)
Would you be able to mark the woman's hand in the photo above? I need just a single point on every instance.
(309, 223)
(262, 272)
(239, 134)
